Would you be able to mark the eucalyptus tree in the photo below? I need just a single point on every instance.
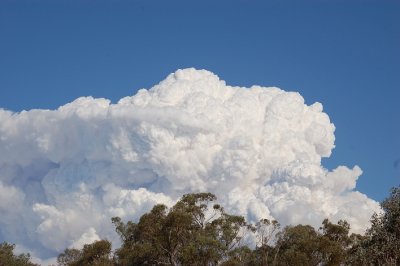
(8, 258)
(193, 232)
(97, 253)
(381, 243)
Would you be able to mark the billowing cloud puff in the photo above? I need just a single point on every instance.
(64, 173)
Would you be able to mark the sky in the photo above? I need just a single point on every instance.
(343, 54)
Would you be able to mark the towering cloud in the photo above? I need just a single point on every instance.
(64, 173)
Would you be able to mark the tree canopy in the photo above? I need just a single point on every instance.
(381, 243)
(198, 231)
(192, 232)
(8, 258)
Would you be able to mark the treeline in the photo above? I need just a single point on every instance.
(196, 231)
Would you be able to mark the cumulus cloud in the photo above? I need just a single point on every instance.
(64, 173)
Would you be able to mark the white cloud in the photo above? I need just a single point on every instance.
(88, 237)
(64, 173)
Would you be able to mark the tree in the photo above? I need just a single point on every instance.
(299, 245)
(98, 253)
(8, 258)
(192, 232)
(266, 231)
(356, 254)
(241, 256)
(381, 244)
(69, 257)
(196, 231)
(334, 242)
(302, 245)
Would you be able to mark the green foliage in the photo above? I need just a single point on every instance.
(98, 253)
(196, 231)
(302, 245)
(266, 231)
(242, 255)
(69, 257)
(8, 258)
(334, 242)
(192, 232)
(299, 245)
(381, 244)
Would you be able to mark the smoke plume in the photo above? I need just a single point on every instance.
(64, 173)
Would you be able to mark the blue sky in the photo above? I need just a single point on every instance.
(344, 54)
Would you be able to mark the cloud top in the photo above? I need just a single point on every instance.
(65, 172)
